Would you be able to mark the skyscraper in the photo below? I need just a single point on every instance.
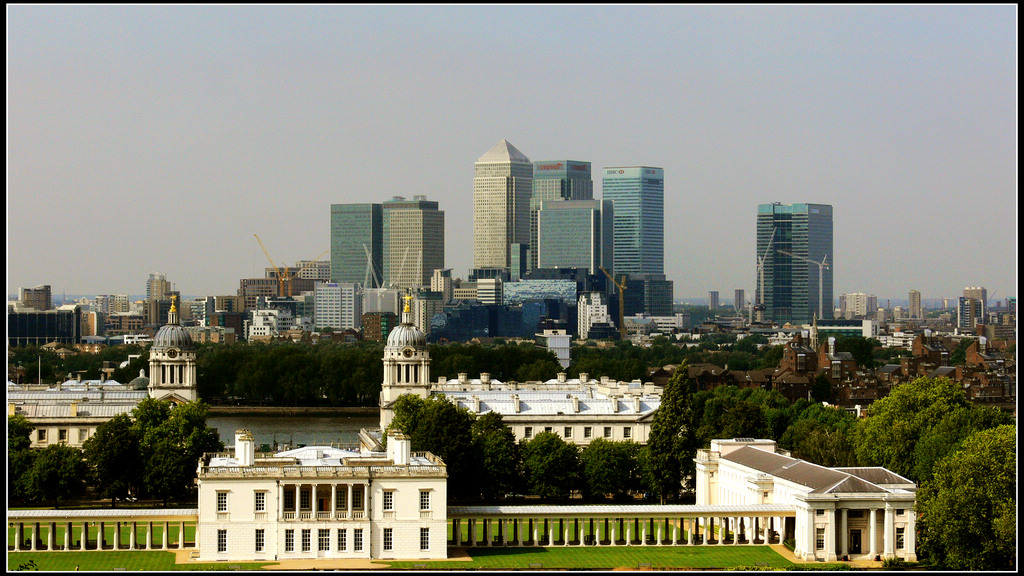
(413, 241)
(38, 298)
(157, 287)
(738, 300)
(916, 310)
(555, 180)
(637, 194)
(502, 186)
(575, 234)
(712, 299)
(798, 261)
(357, 234)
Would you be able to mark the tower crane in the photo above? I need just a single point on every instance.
(759, 297)
(822, 266)
(622, 308)
(293, 275)
(280, 274)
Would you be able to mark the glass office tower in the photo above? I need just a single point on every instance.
(637, 194)
(413, 241)
(356, 231)
(557, 180)
(798, 263)
(575, 234)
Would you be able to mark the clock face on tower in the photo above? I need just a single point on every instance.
(407, 352)
(172, 353)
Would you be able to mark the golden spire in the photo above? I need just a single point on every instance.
(408, 298)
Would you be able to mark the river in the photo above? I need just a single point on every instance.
(294, 430)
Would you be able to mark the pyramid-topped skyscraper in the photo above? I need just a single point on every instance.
(502, 186)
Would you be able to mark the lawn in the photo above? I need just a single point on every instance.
(113, 560)
(606, 558)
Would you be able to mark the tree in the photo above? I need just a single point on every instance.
(114, 459)
(671, 440)
(437, 425)
(821, 434)
(967, 511)
(892, 434)
(496, 456)
(19, 456)
(610, 467)
(551, 466)
(57, 474)
(862, 349)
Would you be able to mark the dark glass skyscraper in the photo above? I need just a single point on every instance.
(357, 229)
(795, 241)
(555, 180)
(637, 194)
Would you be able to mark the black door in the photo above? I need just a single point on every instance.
(854, 541)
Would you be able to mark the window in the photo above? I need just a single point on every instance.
(424, 538)
(389, 500)
(607, 431)
(567, 432)
(837, 370)
(765, 494)
(387, 540)
(357, 539)
(899, 538)
(342, 536)
(424, 499)
(819, 538)
(261, 501)
(627, 432)
(819, 512)
(83, 434)
(289, 540)
(304, 499)
(62, 435)
(41, 435)
(357, 497)
(801, 362)
(222, 540)
(259, 539)
(289, 500)
(528, 433)
(222, 501)
(307, 537)
(899, 511)
(588, 431)
(323, 539)
(547, 428)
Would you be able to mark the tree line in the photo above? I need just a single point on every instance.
(149, 454)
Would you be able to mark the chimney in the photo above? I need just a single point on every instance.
(584, 377)
(575, 404)
(485, 378)
(615, 404)
(399, 448)
(831, 345)
(476, 404)
(245, 447)
(442, 379)
(74, 409)
(561, 377)
(636, 404)
(515, 403)
(982, 342)
(462, 377)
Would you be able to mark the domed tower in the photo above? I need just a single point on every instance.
(172, 362)
(406, 365)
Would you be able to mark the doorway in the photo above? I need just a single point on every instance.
(855, 542)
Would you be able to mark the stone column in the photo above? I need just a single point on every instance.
(888, 532)
(19, 536)
(767, 520)
(471, 528)
(873, 547)
(551, 533)
(131, 537)
(99, 537)
(149, 537)
(830, 536)
(35, 535)
(675, 531)
(51, 537)
(629, 533)
(844, 534)
(909, 541)
(723, 529)
(181, 536)
(85, 536)
(166, 535)
(736, 530)
(67, 536)
(298, 500)
(348, 501)
(782, 529)
(689, 533)
(117, 535)
(334, 501)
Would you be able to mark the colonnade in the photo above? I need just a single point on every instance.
(98, 528)
(522, 529)
(352, 495)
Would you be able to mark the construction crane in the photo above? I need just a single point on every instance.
(822, 266)
(280, 274)
(622, 307)
(759, 297)
(293, 275)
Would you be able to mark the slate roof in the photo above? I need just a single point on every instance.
(819, 479)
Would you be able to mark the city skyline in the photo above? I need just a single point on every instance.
(212, 124)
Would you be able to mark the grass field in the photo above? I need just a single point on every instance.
(607, 558)
(108, 561)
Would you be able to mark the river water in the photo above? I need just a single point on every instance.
(293, 430)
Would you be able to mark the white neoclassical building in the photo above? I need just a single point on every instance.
(859, 513)
(577, 409)
(322, 502)
(172, 362)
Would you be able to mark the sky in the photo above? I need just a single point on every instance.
(148, 139)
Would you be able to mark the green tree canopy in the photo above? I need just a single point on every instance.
(437, 425)
(671, 438)
(551, 466)
(496, 453)
(19, 456)
(610, 468)
(968, 510)
(114, 458)
(57, 474)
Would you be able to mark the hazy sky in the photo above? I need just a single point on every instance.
(160, 139)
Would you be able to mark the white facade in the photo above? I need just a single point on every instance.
(337, 305)
(502, 187)
(557, 342)
(858, 513)
(322, 502)
(858, 305)
(592, 309)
